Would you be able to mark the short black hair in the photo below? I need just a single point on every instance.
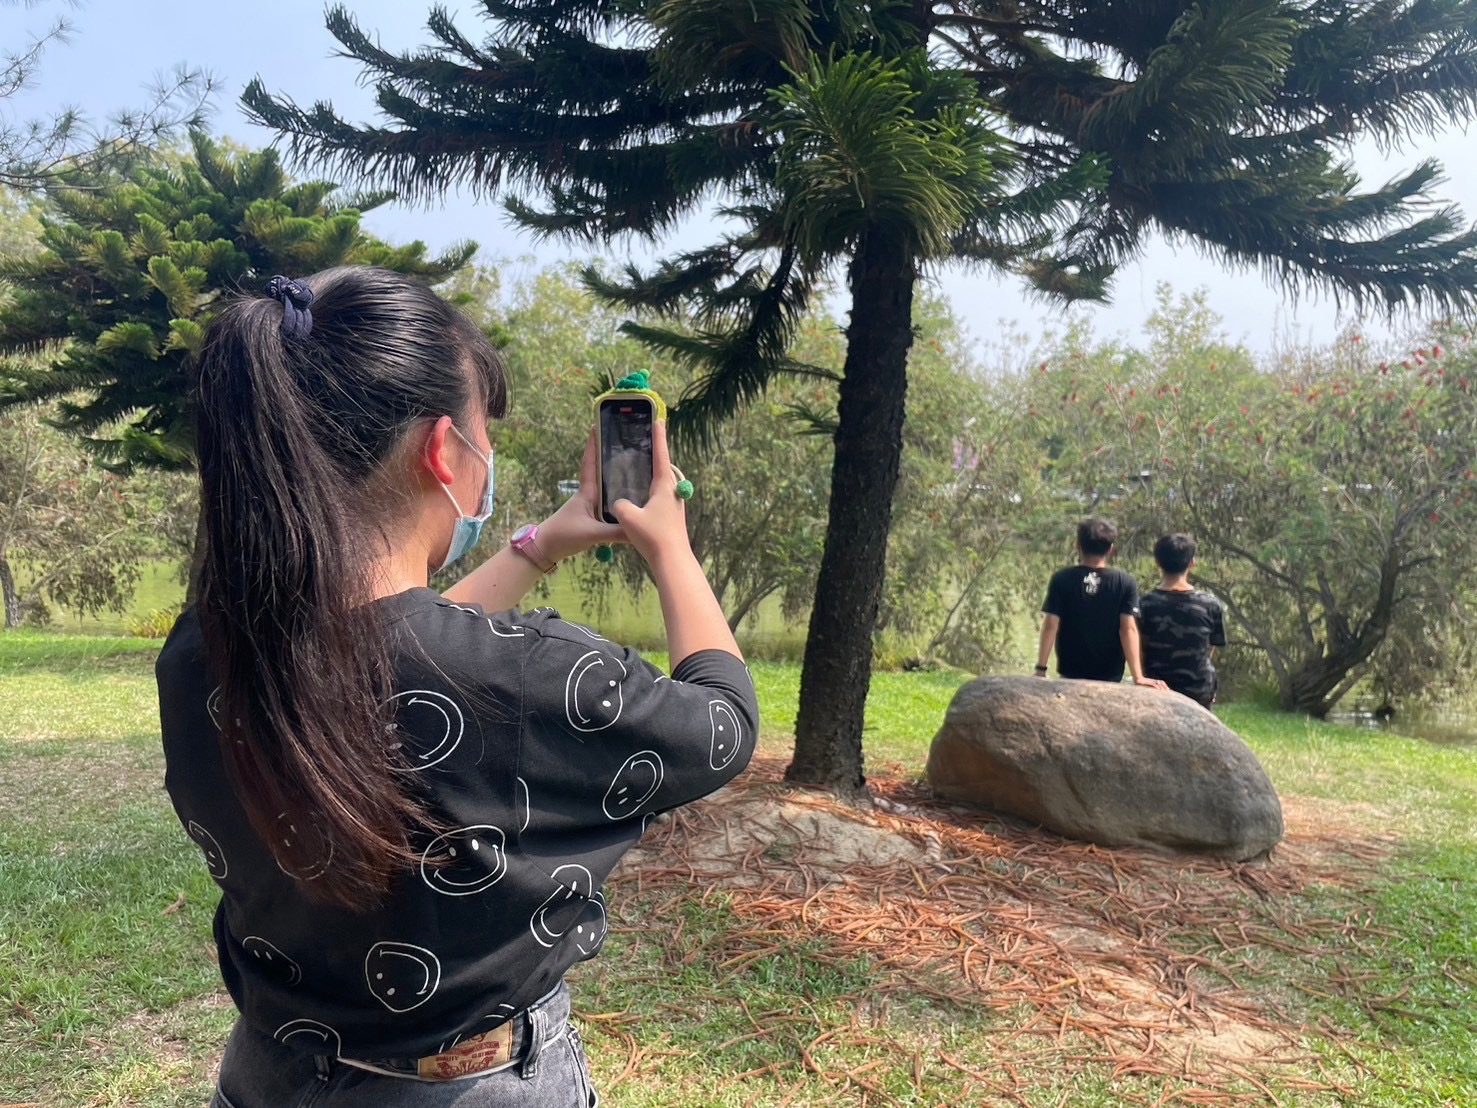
(1174, 553)
(1096, 536)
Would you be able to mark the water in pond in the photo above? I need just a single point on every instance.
(1451, 728)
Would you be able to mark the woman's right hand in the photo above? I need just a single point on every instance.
(658, 531)
(577, 525)
(693, 617)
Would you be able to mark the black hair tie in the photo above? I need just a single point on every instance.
(297, 319)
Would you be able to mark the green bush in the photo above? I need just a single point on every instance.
(156, 623)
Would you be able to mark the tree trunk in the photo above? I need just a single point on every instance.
(869, 443)
(747, 605)
(1312, 688)
(1316, 686)
(197, 556)
(11, 595)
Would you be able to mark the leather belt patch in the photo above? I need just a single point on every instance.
(486, 1051)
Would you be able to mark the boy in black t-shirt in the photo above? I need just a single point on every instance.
(1182, 626)
(1090, 613)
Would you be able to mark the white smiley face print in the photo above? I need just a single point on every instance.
(316, 1037)
(308, 848)
(575, 884)
(272, 962)
(401, 976)
(635, 783)
(476, 860)
(727, 734)
(435, 719)
(526, 801)
(215, 858)
(592, 692)
(589, 932)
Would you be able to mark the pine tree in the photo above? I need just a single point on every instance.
(41, 150)
(106, 316)
(1043, 138)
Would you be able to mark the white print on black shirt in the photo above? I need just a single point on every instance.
(430, 712)
(454, 927)
(1091, 583)
(589, 932)
(727, 734)
(274, 963)
(302, 833)
(318, 1032)
(401, 976)
(593, 698)
(635, 783)
(478, 860)
(527, 805)
(515, 633)
(215, 858)
(574, 882)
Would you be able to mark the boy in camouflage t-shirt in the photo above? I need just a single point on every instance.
(1181, 626)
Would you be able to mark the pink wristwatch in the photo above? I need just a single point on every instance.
(524, 540)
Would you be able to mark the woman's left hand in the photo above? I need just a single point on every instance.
(577, 525)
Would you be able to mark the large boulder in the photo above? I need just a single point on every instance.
(1111, 764)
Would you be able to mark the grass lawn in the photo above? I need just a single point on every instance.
(109, 994)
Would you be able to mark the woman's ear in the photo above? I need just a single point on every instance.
(435, 455)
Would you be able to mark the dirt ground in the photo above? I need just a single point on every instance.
(1145, 960)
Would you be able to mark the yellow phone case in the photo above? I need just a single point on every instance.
(616, 394)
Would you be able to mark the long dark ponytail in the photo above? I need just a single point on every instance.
(294, 431)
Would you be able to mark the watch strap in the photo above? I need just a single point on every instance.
(528, 546)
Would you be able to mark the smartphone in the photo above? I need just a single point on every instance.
(624, 424)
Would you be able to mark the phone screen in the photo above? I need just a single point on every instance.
(625, 452)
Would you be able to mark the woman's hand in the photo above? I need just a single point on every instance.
(577, 525)
(658, 531)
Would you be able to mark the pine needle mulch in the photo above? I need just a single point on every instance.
(1082, 959)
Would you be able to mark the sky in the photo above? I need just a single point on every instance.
(119, 45)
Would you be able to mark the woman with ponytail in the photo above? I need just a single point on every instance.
(410, 800)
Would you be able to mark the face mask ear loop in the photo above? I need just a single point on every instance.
(486, 506)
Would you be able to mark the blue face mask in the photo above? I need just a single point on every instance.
(468, 529)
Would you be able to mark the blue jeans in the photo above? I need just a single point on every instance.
(259, 1072)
